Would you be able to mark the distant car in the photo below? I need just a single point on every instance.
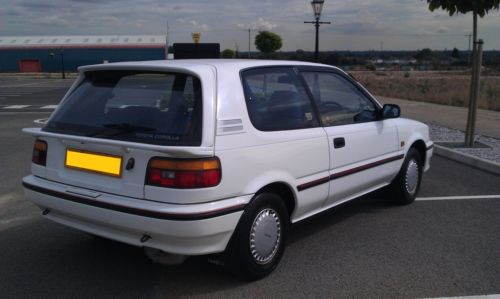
(197, 157)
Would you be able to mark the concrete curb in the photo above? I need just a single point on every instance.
(489, 166)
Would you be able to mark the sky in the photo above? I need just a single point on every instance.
(356, 25)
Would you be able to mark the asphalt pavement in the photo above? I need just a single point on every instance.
(26, 92)
(366, 248)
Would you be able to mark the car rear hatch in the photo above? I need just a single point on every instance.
(116, 118)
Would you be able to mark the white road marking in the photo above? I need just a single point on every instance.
(492, 296)
(16, 106)
(33, 84)
(4, 92)
(14, 93)
(49, 107)
(459, 197)
(41, 121)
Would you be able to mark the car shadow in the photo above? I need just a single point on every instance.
(376, 202)
(42, 259)
(47, 260)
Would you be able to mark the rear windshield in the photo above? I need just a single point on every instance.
(154, 108)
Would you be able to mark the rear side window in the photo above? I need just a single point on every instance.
(276, 100)
(154, 108)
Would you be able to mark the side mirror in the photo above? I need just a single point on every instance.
(391, 111)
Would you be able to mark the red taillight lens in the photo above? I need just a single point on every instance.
(184, 173)
(39, 152)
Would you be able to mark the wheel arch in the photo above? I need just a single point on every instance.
(421, 148)
(284, 191)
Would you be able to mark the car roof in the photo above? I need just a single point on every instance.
(220, 64)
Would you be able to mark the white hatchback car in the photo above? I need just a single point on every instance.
(196, 157)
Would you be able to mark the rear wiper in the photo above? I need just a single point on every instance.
(114, 129)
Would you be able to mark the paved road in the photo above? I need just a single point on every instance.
(19, 91)
(367, 248)
(487, 124)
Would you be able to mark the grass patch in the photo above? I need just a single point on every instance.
(446, 88)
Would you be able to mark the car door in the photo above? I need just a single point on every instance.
(288, 143)
(363, 147)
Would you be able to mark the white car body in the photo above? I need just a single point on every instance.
(302, 164)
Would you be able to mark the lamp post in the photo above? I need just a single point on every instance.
(317, 6)
(61, 52)
(62, 64)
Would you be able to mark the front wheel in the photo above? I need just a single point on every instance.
(259, 240)
(406, 185)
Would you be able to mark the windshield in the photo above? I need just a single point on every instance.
(146, 107)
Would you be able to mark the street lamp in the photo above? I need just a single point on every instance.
(317, 6)
(61, 53)
(62, 63)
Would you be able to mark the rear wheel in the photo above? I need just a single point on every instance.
(259, 240)
(405, 187)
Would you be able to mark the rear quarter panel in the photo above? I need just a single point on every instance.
(252, 159)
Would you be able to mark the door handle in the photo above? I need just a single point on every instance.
(339, 142)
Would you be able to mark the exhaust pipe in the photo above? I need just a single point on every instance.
(161, 257)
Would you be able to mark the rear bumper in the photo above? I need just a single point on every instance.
(192, 229)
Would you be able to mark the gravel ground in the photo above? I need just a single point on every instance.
(491, 152)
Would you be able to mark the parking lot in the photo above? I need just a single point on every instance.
(445, 244)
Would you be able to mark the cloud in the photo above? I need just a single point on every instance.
(110, 19)
(260, 24)
(196, 25)
(54, 21)
(402, 24)
(36, 6)
(89, 1)
(442, 29)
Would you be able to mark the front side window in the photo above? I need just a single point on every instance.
(154, 108)
(276, 100)
(339, 101)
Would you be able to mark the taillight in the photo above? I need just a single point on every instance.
(39, 152)
(184, 173)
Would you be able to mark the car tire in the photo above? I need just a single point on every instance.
(405, 187)
(258, 243)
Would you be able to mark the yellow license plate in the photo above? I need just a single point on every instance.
(94, 162)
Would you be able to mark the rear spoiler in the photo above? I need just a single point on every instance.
(178, 151)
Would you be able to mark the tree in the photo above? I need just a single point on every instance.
(478, 8)
(268, 42)
(301, 55)
(424, 55)
(481, 7)
(455, 53)
(227, 53)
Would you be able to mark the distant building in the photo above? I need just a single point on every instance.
(51, 53)
(393, 64)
